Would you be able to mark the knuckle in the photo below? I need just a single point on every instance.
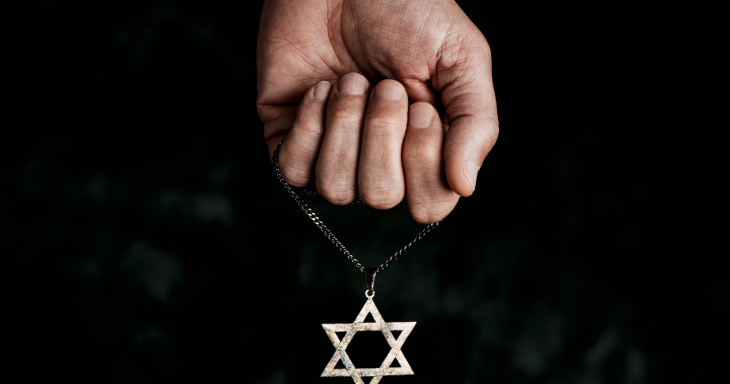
(493, 126)
(345, 114)
(385, 124)
(295, 176)
(381, 198)
(431, 205)
(336, 194)
(428, 214)
(423, 152)
(308, 129)
(341, 121)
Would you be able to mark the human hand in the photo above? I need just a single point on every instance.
(352, 136)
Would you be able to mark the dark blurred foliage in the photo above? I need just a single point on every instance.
(151, 242)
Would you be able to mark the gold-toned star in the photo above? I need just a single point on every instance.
(379, 325)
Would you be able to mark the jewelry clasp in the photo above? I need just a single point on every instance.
(370, 281)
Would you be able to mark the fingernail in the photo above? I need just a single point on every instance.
(389, 90)
(353, 84)
(472, 169)
(322, 90)
(420, 115)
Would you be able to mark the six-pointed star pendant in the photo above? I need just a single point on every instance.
(379, 325)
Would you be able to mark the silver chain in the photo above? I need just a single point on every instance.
(318, 222)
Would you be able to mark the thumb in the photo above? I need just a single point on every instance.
(464, 81)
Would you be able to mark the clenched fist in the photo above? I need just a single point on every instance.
(352, 85)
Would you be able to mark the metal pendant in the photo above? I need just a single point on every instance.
(358, 325)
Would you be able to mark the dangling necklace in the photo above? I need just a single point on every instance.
(358, 325)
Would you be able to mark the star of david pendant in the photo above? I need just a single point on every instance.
(358, 325)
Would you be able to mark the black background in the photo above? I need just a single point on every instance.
(152, 243)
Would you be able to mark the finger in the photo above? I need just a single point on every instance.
(298, 154)
(336, 169)
(464, 80)
(380, 178)
(278, 120)
(428, 197)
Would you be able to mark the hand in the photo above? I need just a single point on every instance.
(355, 137)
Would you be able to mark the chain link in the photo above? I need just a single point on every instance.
(318, 222)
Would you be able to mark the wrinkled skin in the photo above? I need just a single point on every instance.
(351, 143)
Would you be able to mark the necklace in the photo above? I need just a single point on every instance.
(369, 308)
